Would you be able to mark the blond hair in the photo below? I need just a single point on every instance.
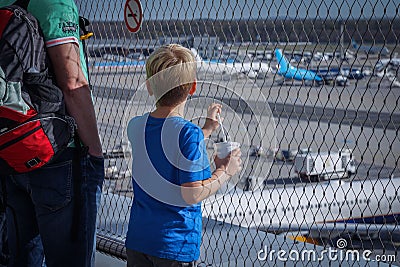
(171, 71)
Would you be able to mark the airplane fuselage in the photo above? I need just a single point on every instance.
(361, 201)
(300, 74)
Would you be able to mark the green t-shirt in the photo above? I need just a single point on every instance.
(59, 21)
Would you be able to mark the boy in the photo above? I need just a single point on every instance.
(170, 168)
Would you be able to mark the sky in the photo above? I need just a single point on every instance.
(111, 10)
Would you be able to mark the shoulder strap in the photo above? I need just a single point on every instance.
(22, 3)
(83, 23)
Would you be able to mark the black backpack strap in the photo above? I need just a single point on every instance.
(22, 3)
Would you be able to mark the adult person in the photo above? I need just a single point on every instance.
(52, 211)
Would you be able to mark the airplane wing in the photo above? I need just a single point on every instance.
(333, 231)
(225, 244)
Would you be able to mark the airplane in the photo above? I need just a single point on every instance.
(370, 49)
(251, 68)
(287, 71)
(318, 211)
(388, 68)
(326, 56)
(382, 64)
(223, 243)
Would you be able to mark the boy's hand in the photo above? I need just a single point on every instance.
(211, 123)
(231, 164)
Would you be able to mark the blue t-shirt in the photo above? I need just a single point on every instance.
(165, 154)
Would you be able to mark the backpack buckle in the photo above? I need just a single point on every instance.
(33, 162)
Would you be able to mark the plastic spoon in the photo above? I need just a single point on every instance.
(222, 127)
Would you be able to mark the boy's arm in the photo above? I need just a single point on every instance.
(211, 123)
(195, 192)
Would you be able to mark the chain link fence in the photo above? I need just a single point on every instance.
(310, 89)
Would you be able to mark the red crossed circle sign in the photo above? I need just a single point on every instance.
(133, 15)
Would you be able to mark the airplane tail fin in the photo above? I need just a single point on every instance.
(354, 43)
(282, 61)
(196, 55)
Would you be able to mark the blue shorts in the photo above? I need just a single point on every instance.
(138, 259)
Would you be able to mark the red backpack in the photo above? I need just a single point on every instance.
(34, 125)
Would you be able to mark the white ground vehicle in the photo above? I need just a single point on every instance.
(325, 165)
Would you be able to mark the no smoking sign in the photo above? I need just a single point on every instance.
(133, 15)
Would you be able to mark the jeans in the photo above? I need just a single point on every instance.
(52, 211)
(4, 251)
(93, 176)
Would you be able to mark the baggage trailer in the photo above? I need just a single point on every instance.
(324, 165)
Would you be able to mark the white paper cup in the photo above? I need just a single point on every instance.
(224, 148)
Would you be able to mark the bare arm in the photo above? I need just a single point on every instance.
(70, 78)
(211, 123)
(194, 192)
